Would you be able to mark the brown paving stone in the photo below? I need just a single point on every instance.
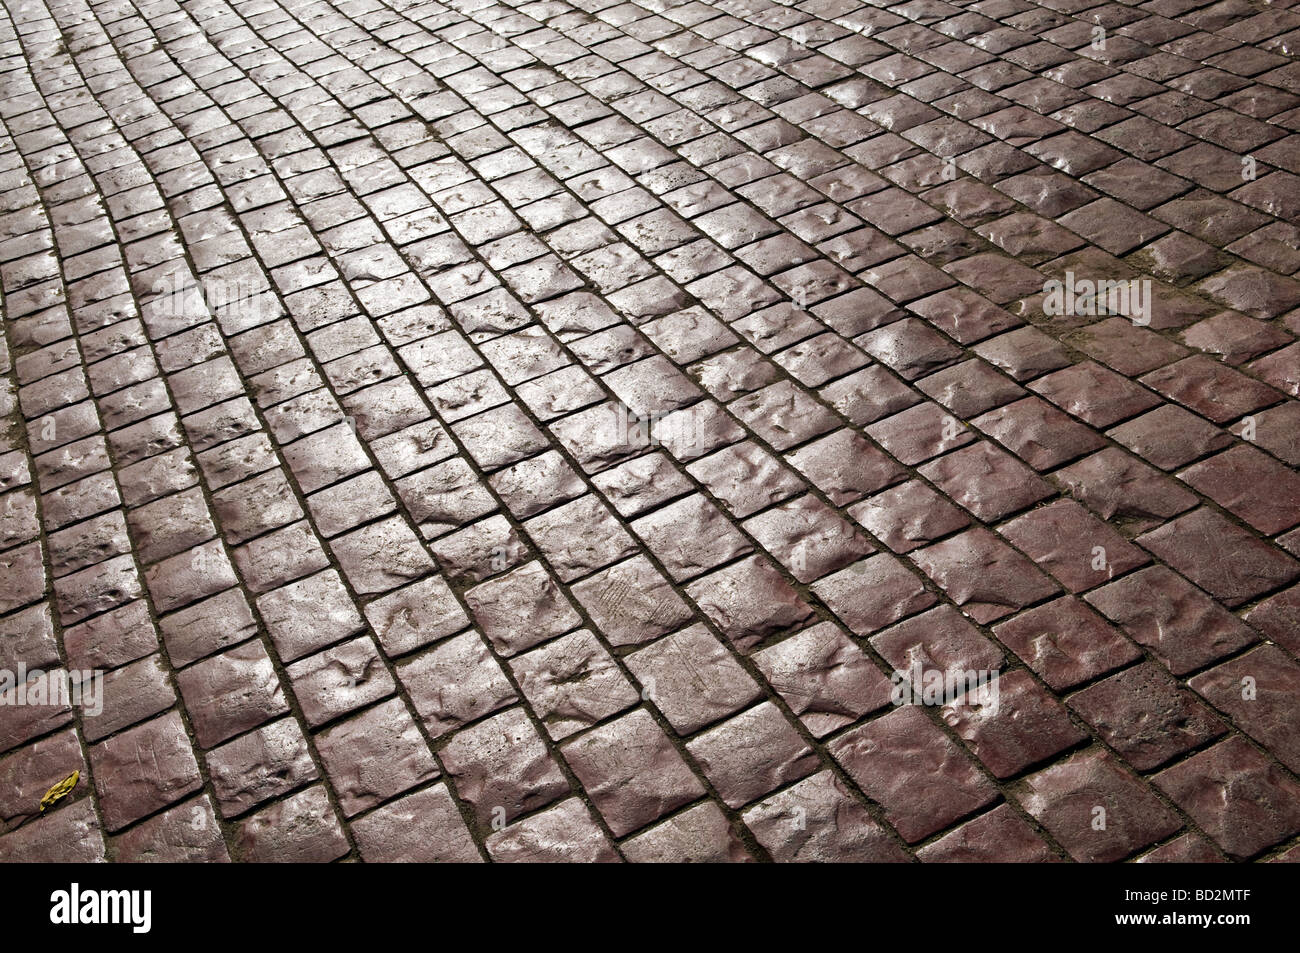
(260, 765)
(1255, 689)
(308, 614)
(125, 794)
(502, 769)
(908, 515)
(1279, 369)
(783, 415)
(1026, 726)
(749, 601)
(868, 395)
(699, 835)
(375, 756)
(423, 827)
(128, 695)
(712, 540)
(415, 615)
(1250, 485)
(983, 575)
(969, 388)
(454, 683)
(1095, 809)
(32, 770)
(572, 683)
(827, 681)
(1146, 716)
(1072, 546)
(339, 680)
(1024, 353)
(1278, 618)
(909, 347)
(1121, 489)
(564, 834)
(28, 637)
(207, 627)
(751, 754)
(188, 833)
(1125, 347)
(1275, 431)
(1065, 642)
(520, 609)
(986, 480)
(873, 593)
(231, 692)
(692, 679)
(1170, 436)
(301, 829)
(1178, 623)
(1000, 836)
(845, 467)
(631, 602)
(273, 560)
(1095, 395)
(1208, 388)
(819, 820)
(633, 774)
(807, 537)
(381, 557)
(1237, 796)
(1186, 849)
(72, 835)
(940, 640)
(905, 763)
(1234, 336)
(745, 477)
(920, 433)
(1221, 557)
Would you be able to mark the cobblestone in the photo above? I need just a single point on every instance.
(607, 430)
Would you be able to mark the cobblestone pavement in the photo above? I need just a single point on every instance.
(484, 431)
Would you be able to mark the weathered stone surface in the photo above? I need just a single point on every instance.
(465, 431)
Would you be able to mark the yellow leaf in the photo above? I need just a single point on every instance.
(60, 790)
